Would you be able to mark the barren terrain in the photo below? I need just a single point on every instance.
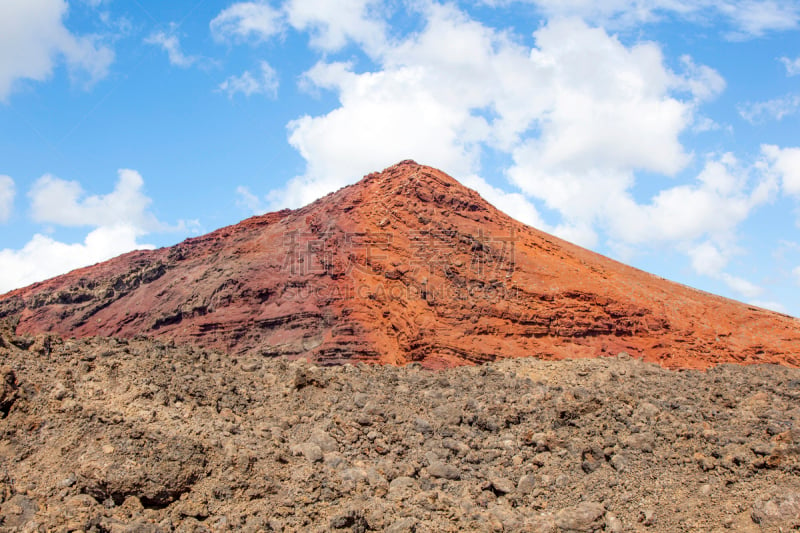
(407, 265)
(141, 436)
(229, 383)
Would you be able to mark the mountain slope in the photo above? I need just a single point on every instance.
(406, 265)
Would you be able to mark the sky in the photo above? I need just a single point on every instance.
(662, 133)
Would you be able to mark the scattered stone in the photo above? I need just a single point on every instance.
(251, 366)
(647, 517)
(443, 470)
(423, 426)
(325, 442)
(502, 485)
(778, 508)
(17, 512)
(404, 525)
(526, 484)
(151, 437)
(619, 462)
(309, 450)
(613, 524)
(352, 520)
(586, 516)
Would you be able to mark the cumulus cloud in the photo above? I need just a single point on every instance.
(609, 110)
(776, 109)
(33, 39)
(722, 196)
(43, 257)
(247, 21)
(7, 193)
(707, 259)
(742, 286)
(172, 46)
(511, 203)
(265, 82)
(785, 162)
(753, 18)
(65, 203)
(334, 24)
(442, 94)
(116, 222)
(727, 193)
(792, 65)
(598, 111)
(710, 259)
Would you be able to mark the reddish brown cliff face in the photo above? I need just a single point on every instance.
(406, 265)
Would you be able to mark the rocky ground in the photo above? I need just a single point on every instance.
(140, 436)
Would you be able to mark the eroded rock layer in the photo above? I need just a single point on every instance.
(406, 265)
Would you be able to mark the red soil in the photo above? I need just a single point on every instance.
(406, 265)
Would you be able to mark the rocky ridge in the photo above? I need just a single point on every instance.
(405, 266)
(133, 435)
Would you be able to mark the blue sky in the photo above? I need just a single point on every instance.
(663, 133)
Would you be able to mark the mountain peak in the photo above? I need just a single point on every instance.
(405, 265)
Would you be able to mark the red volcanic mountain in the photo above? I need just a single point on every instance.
(406, 265)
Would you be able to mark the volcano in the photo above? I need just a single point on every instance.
(405, 265)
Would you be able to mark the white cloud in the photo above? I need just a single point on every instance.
(264, 82)
(792, 65)
(742, 286)
(65, 203)
(748, 18)
(609, 110)
(43, 257)
(703, 124)
(247, 21)
(702, 81)
(707, 259)
(117, 221)
(710, 260)
(7, 193)
(511, 203)
(443, 93)
(786, 163)
(753, 18)
(722, 196)
(386, 117)
(33, 38)
(796, 274)
(333, 24)
(172, 46)
(777, 108)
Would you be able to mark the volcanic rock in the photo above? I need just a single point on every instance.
(406, 265)
(150, 436)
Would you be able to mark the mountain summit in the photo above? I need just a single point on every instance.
(405, 265)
